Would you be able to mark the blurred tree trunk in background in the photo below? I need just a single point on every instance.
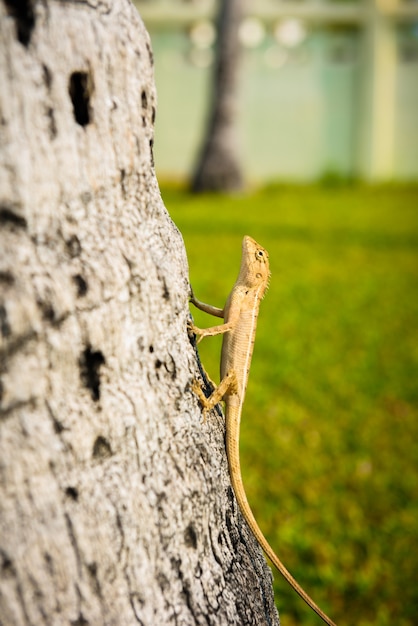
(218, 166)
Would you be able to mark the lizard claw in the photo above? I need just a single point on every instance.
(195, 331)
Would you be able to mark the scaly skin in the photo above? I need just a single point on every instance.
(240, 321)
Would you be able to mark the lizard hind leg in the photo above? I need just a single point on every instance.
(227, 386)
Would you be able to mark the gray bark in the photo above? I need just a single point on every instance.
(115, 502)
(218, 166)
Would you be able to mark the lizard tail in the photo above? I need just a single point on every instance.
(238, 486)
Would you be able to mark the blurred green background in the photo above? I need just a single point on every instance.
(330, 424)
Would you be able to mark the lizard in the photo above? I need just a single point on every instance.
(240, 315)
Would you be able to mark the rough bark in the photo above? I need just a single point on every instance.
(115, 502)
(218, 165)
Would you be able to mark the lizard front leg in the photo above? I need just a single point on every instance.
(210, 332)
(215, 330)
(207, 308)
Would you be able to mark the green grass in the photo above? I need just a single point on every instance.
(330, 426)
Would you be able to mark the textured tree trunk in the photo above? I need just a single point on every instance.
(218, 167)
(115, 501)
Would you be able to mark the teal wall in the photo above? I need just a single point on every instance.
(406, 105)
(300, 113)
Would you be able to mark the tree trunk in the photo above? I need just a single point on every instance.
(115, 501)
(218, 167)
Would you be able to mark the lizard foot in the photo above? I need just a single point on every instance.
(192, 329)
(204, 401)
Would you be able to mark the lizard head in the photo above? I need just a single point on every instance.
(255, 269)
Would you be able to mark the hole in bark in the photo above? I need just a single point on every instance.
(80, 91)
(7, 567)
(22, 12)
(8, 216)
(94, 580)
(49, 563)
(190, 538)
(151, 349)
(7, 278)
(5, 328)
(58, 427)
(81, 285)
(90, 363)
(153, 115)
(144, 99)
(47, 76)
(158, 364)
(122, 176)
(80, 621)
(101, 448)
(48, 311)
(72, 493)
(166, 293)
(151, 56)
(73, 246)
(151, 146)
(52, 125)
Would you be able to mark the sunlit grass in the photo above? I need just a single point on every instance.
(330, 425)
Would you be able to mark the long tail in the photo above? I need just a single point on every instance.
(238, 486)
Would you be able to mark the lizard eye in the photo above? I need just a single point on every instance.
(259, 254)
